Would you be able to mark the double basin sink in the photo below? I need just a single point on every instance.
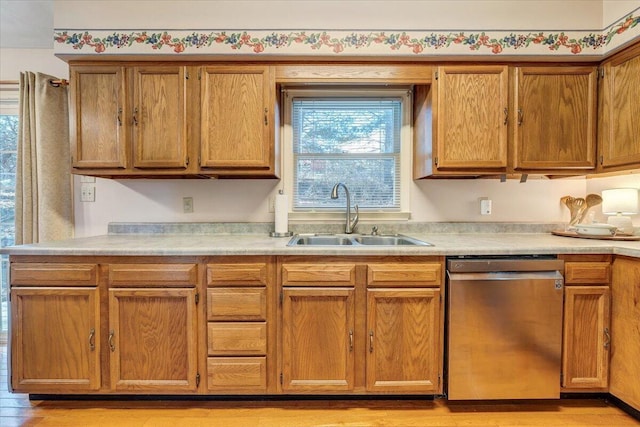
(355, 240)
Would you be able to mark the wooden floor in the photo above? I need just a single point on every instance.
(17, 410)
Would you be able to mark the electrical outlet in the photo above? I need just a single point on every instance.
(84, 178)
(87, 193)
(187, 204)
(485, 206)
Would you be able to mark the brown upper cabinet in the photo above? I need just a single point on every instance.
(142, 120)
(98, 104)
(464, 125)
(237, 119)
(619, 125)
(555, 119)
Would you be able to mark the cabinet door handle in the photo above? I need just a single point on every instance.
(520, 116)
(111, 344)
(266, 120)
(135, 116)
(506, 116)
(350, 340)
(607, 338)
(92, 336)
(119, 116)
(370, 341)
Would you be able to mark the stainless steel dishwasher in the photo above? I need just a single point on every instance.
(504, 328)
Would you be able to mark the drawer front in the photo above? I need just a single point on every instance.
(587, 273)
(54, 274)
(237, 304)
(237, 274)
(398, 274)
(325, 274)
(237, 339)
(162, 275)
(237, 373)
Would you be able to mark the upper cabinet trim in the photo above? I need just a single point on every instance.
(423, 44)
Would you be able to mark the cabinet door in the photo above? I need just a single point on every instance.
(470, 118)
(159, 117)
(55, 340)
(98, 131)
(152, 339)
(403, 347)
(555, 114)
(585, 358)
(625, 327)
(317, 339)
(620, 109)
(237, 117)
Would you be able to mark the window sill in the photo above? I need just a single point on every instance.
(338, 217)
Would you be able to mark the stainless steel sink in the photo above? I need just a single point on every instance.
(319, 240)
(354, 240)
(393, 240)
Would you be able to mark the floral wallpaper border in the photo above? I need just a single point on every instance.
(348, 43)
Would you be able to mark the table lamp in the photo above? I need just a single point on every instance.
(618, 203)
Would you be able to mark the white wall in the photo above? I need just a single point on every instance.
(247, 200)
(330, 14)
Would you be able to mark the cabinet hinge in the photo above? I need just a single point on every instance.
(198, 379)
(187, 159)
(186, 75)
(437, 75)
(601, 72)
(436, 162)
(561, 378)
(439, 380)
(199, 74)
(197, 298)
(281, 378)
(601, 159)
(281, 297)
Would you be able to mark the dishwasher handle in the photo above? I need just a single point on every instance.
(506, 276)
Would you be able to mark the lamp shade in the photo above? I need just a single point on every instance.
(620, 201)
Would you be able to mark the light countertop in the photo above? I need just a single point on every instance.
(445, 244)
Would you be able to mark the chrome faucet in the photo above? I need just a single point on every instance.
(350, 223)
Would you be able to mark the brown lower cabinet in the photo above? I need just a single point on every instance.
(283, 325)
(587, 323)
(361, 325)
(625, 328)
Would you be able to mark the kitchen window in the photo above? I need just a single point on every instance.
(359, 137)
(8, 161)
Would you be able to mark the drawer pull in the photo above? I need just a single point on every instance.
(370, 341)
(607, 338)
(111, 344)
(350, 340)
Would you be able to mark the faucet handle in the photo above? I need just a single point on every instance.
(374, 230)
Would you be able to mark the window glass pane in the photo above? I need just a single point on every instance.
(8, 146)
(355, 141)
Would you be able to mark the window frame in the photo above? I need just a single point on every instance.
(329, 215)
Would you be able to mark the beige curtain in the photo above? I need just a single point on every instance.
(44, 209)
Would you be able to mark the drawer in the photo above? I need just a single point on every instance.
(338, 274)
(161, 275)
(398, 274)
(54, 274)
(237, 338)
(237, 304)
(237, 373)
(587, 272)
(237, 274)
